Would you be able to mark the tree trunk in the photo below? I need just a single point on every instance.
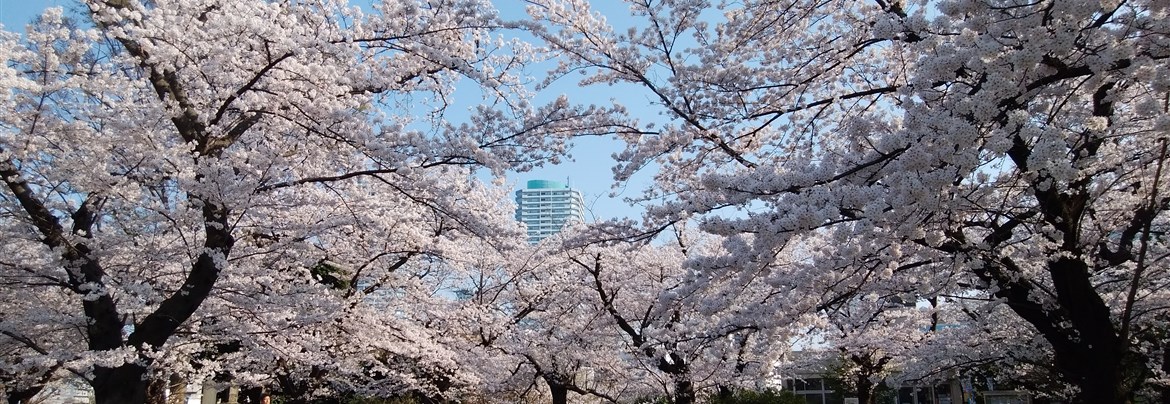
(26, 395)
(178, 388)
(1106, 389)
(120, 385)
(865, 389)
(251, 395)
(156, 391)
(1165, 390)
(23, 396)
(1097, 357)
(1103, 394)
(560, 393)
(725, 392)
(867, 368)
(684, 391)
(1087, 349)
(558, 387)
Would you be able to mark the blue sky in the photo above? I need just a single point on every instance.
(16, 13)
(590, 168)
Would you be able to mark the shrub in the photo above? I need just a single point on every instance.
(768, 396)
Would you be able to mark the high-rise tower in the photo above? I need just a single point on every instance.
(547, 206)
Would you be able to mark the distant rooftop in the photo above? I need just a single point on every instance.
(546, 184)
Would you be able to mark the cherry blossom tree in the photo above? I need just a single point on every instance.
(177, 172)
(373, 317)
(1008, 150)
(537, 337)
(687, 342)
(978, 337)
(612, 322)
(870, 340)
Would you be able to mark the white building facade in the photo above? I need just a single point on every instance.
(546, 207)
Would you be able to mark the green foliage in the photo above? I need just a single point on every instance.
(348, 399)
(841, 378)
(768, 396)
(397, 400)
(652, 400)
